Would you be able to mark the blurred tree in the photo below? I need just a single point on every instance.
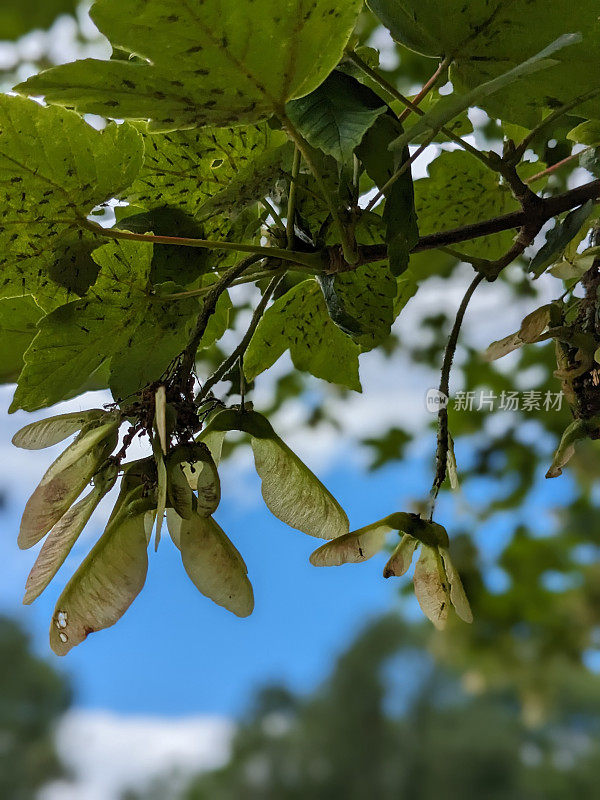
(391, 723)
(33, 696)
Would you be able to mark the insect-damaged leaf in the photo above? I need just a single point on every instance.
(483, 40)
(208, 62)
(214, 565)
(361, 303)
(354, 547)
(453, 105)
(300, 321)
(18, 319)
(107, 582)
(64, 481)
(52, 188)
(119, 319)
(64, 534)
(53, 430)
(290, 490)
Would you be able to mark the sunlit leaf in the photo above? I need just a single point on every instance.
(202, 65)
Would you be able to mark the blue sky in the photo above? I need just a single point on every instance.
(175, 652)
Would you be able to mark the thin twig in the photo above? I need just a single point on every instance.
(273, 212)
(442, 67)
(521, 148)
(239, 351)
(303, 146)
(397, 175)
(188, 356)
(559, 164)
(442, 438)
(412, 106)
(309, 259)
(291, 211)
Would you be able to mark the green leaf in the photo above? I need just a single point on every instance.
(107, 582)
(120, 319)
(361, 303)
(455, 104)
(459, 191)
(484, 40)
(64, 481)
(336, 115)
(49, 189)
(559, 237)
(587, 133)
(189, 170)
(402, 232)
(65, 533)
(354, 547)
(299, 321)
(401, 559)
(208, 63)
(18, 319)
(18, 17)
(215, 566)
(46, 432)
(290, 490)
(590, 160)
(170, 263)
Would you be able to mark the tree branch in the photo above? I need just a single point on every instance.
(551, 207)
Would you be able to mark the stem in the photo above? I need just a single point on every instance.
(442, 438)
(443, 66)
(188, 356)
(412, 106)
(522, 147)
(239, 351)
(273, 212)
(308, 259)
(398, 174)
(555, 167)
(291, 210)
(303, 146)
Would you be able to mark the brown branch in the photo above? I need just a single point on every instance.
(550, 207)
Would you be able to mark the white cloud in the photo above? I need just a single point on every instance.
(109, 753)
